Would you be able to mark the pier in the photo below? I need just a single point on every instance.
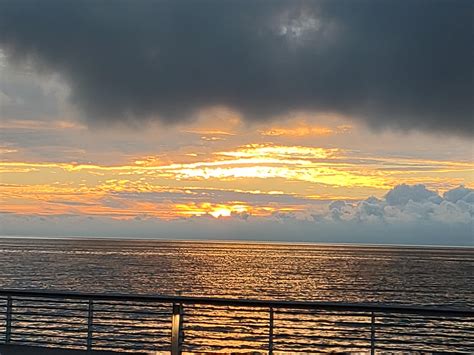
(107, 323)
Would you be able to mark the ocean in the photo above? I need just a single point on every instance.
(307, 272)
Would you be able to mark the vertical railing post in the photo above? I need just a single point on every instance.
(90, 318)
(270, 332)
(8, 325)
(176, 329)
(372, 333)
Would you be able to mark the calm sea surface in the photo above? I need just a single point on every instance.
(422, 276)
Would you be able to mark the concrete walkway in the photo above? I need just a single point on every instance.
(34, 350)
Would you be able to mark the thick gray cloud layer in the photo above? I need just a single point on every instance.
(404, 64)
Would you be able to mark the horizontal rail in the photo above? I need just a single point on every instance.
(337, 306)
(143, 322)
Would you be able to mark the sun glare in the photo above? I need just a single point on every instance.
(221, 212)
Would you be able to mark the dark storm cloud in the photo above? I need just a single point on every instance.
(403, 64)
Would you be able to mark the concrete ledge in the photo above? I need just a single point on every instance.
(36, 350)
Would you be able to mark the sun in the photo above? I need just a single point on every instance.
(221, 212)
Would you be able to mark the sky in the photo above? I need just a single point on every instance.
(314, 121)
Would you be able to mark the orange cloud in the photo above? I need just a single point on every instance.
(301, 171)
(300, 126)
(298, 131)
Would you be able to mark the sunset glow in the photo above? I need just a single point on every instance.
(281, 118)
(196, 185)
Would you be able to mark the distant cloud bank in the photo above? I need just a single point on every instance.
(409, 204)
(391, 63)
(407, 215)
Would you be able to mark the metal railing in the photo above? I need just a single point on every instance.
(181, 324)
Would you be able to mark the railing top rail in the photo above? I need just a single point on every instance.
(330, 306)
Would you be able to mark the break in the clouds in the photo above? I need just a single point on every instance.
(402, 64)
